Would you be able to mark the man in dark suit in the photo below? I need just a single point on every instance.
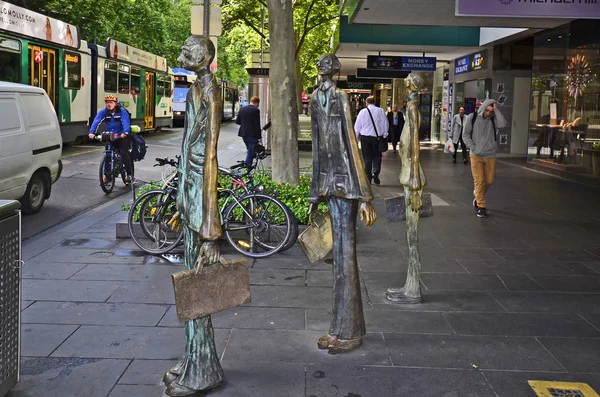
(339, 178)
(249, 121)
(396, 122)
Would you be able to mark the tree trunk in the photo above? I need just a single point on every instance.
(282, 90)
(299, 87)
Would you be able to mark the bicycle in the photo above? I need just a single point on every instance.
(255, 224)
(115, 164)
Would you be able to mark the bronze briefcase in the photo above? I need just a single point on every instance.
(215, 289)
(317, 240)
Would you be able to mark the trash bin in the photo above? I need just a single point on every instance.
(10, 294)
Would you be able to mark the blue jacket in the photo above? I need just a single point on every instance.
(117, 122)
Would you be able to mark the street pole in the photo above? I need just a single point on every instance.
(206, 17)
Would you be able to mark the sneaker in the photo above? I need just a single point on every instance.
(128, 180)
(466, 161)
(482, 213)
(376, 179)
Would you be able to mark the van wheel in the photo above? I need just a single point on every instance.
(35, 195)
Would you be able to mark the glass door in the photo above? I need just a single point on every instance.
(149, 100)
(42, 70)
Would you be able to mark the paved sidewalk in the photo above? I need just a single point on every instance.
(507, 299)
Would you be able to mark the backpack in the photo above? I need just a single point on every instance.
(473, 123)
(138, 147)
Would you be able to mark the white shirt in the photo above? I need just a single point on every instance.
(364, 125)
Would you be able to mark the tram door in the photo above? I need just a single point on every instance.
(149, 99)
(43, 70)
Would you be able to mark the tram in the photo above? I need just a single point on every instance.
(44, 52)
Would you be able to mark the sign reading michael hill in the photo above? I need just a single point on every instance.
(529, 8)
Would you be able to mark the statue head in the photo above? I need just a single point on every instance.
(328, 65)
(197, 53)
(415, 82)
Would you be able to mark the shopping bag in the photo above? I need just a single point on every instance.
(449, 147)
(317, 239)
(213, 290)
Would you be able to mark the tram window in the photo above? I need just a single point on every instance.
(10, 60)
(167, 88)
(123, 78)
(135, 81)
(110, 76)
(72, 71)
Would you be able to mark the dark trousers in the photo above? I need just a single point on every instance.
(121, 145)
(250, 143)
(463, 147)
(369, 146)
(394, 135)
(348, 320)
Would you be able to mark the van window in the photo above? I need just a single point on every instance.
(72, 71)
(110, 76)
(37, 110)
(9, 114)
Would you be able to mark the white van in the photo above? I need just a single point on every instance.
(30, 145)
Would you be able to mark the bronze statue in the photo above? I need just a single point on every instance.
(413, 179)
(199, 368)
(339, 179)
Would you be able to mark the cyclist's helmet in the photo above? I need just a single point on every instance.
(110, 98)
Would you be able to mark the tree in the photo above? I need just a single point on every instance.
(282, 90)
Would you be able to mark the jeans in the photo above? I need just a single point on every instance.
(250, 143)
(369, 146)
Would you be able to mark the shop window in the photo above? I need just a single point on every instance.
(10, 60)
(110, 76)
(124, 78)
(72, 71)
(135, 81)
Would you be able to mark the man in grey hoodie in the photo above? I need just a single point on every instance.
(480, 137)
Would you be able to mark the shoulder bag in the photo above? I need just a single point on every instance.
(382, 144)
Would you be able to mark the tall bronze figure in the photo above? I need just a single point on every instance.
(412, 178)
(339, 179)
(199, 368)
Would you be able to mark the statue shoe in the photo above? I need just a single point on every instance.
(169, 378)
(176, 390)
(393, 290)
(325, 341)
(403, 298)
(174, 372)
(340, 346)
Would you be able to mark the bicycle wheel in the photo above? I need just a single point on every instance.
(110, 184)
(148, 222)
(294, 231)
(257, 225)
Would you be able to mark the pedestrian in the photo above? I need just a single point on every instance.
(458, 125)
(396, 123)
(480, 137)
(249, 121)
(371, 123)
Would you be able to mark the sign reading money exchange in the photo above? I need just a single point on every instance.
(470, 63)
(408, 64)
(529, 8)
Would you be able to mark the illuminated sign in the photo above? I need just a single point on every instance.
(72, 58)
(407, 64)
(470, 63)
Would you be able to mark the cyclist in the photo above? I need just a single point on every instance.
(117, 122)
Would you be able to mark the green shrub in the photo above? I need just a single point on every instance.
(152, 185)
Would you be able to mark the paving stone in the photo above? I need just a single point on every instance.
(351, 381)
(137, 391)
(575, 354)
(466, 352)
(39, 340)
(442, 301)
(277, 277)
(68, 290)
(96, 243)
(593, 319)
(146, 372)
(521, 324)
(436, 254)
(406, 322)
(300, 297)
(170, 319)
(594, 266)
(73, 377)
(541, 266)
(260, 318)
(588, 283)
(90, 255)
(50, 270)
(517, 282)
(274, 346)
(546, 302)
(319, 278)
(158, 291)
(399, 265)
(464, 282)
(26, 304)
(126, 272)
(264, 380)
(287, 261)
(515, 384)
(565, 254)
(93, 313)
